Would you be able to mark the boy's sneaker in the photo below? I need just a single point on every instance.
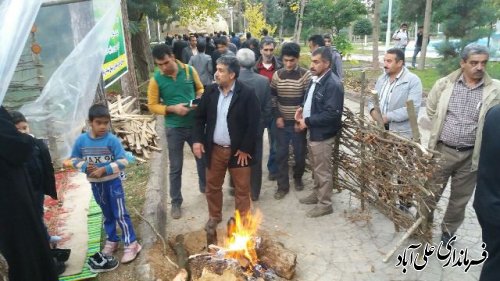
(109, 248)
(130, 252)
(100, 263)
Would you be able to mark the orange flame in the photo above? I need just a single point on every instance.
(240, 242)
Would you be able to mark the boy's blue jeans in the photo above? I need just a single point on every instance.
(111, 198)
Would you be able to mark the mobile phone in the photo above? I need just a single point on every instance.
(194, 102)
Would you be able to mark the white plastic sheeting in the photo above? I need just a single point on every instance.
(63, 106)
(16, 19)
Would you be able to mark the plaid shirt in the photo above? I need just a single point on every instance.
(460, 123)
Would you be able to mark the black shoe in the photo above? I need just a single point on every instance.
(254, 197)
(175, 212)
(280, 194)
(299, 184)
(272, 177)
(101, 263)
(446, 237)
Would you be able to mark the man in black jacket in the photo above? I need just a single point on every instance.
(487, 197)
(22, 239)
(226, 129)
(321, 114)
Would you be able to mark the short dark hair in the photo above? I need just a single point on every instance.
(317, 40)
(232, 64)
(326, 54)
(221, 41)
(400, 56)
(404, 24)
(97, 111)
(291, 49)
(201, 46)
(267, 41)
(233, 34)
(160, 50)
(421, 26)
(327, 36)
(17, 117)
(249, 35)
(265, 32)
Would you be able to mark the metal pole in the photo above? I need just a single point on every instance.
(61, 2)
(388, 32)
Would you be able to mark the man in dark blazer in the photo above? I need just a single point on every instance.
(226, 125)
(260, 84)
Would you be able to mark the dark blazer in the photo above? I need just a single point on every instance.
(242, 121)
(260, 84)
(187, 53)
(326, 108)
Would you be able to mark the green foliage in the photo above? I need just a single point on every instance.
(343, 44)
(256, 21)
(363, 27)
(333, 14)
(460, 18)
(451, 58)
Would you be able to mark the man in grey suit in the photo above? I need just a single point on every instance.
(190, 50)
(394, 88)
(260, 84)
(203, 64)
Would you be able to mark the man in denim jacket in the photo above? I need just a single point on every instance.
(395, 87)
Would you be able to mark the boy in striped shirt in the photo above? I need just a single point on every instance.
(287, 94)
(100, 155)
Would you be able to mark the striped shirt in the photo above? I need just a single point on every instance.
(460, 123)
(287, 92)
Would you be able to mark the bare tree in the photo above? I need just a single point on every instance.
(425, 39)
(129, 80)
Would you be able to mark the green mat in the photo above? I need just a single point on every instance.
(94, 226)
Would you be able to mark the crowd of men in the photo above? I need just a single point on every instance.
(249, 87)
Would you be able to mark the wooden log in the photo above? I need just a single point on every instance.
(412, 116)
(376, 108)
(207, 268)
(277, 257)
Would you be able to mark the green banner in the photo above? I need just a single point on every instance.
(115, 64)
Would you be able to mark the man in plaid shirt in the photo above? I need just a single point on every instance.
(457, 105)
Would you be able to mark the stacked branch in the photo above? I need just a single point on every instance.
(386, 170)
(137, 132)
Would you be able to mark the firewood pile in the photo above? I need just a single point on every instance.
(136, 131)
(388, 171)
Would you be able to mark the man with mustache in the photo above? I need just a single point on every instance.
(395, 87)
(321, 115)
(457, 105)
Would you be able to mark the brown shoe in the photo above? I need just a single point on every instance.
(280, 194)
(319, 210)
(175, 212)
(299, 184)
(310, 199)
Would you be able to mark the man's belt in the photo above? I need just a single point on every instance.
(458, 148)
(222, 146)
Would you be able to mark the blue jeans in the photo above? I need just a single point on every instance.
(284, 136)
(175, 143)
(272, 164)
(111, 198)
(415, 53)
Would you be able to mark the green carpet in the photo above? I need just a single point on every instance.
(94, 226)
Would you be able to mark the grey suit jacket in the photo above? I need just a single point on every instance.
(260, 84)
(408, 87)
(187, 53)
(203, 65)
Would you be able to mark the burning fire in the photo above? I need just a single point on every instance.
(241, 238)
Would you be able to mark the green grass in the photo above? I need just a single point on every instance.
(493, 69)
(428, 77)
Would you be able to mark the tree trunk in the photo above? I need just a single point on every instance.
(301, 16)
(129, 80)
(281, 25)
(376, 32)
(142, 56)
(425, 39)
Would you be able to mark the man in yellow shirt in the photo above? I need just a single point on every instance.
(171, 89)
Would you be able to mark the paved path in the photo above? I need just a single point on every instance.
(332, 247)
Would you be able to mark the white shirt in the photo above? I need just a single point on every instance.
(221, 132)
(307, 105)
(403, 38)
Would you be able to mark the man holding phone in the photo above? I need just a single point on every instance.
(177, 84)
